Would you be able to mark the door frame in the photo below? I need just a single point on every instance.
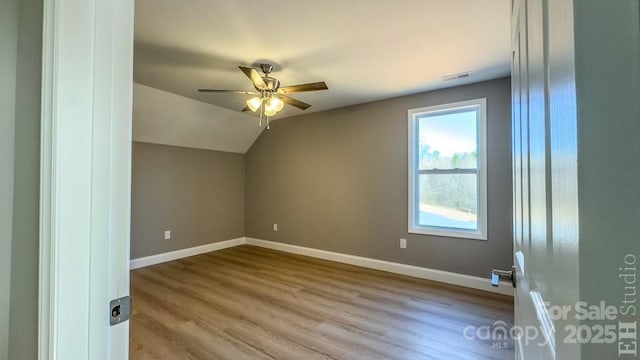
(87, 67)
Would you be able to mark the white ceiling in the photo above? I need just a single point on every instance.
(364, 50)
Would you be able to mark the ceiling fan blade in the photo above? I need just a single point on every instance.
(246, 108)
(297, 103)
(229, 91)
(253, 75)
(303, 87)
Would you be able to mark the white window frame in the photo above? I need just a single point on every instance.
(413, 116)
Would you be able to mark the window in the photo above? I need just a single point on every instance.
(447, 170)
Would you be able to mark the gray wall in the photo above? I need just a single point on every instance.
(20, 69)
(24, 252)
(197, 194)
(337, 181)
(8, 53)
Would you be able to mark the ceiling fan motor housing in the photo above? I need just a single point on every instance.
(272, 83)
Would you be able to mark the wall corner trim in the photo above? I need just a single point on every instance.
(446, 277)
(183, 253)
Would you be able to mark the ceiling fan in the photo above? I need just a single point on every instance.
(269, 97)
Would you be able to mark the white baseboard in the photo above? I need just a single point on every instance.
(446, 277)
(468, 281)
(183, 253)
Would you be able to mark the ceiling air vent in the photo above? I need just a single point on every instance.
(456, 76)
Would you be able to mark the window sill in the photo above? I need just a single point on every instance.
(461, 234)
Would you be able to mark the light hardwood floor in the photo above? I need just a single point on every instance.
(252, 303)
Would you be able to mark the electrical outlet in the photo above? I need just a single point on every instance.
(167, 234)
(275, 227)
(403, 243)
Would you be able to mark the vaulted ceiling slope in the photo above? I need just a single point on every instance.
(160, 117)
(365, 50)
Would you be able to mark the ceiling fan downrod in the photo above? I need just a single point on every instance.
(266, 69)
(271, 84)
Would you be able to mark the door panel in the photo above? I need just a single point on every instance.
(539, 174)
(575, 173)
(530, 190)
(517, 158)
(563, 135)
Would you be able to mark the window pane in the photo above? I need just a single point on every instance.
(448, 141)
(448, 200)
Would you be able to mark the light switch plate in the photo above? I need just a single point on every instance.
(167, 234)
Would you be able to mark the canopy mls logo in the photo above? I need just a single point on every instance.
(628, 330)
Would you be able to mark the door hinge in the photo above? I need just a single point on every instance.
(120, 310)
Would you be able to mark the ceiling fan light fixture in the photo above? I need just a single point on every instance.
(269, 111)
(276, 104)
(254, 103)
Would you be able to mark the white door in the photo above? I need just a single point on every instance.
(85, 177)
(544, 176)
(530, 200)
